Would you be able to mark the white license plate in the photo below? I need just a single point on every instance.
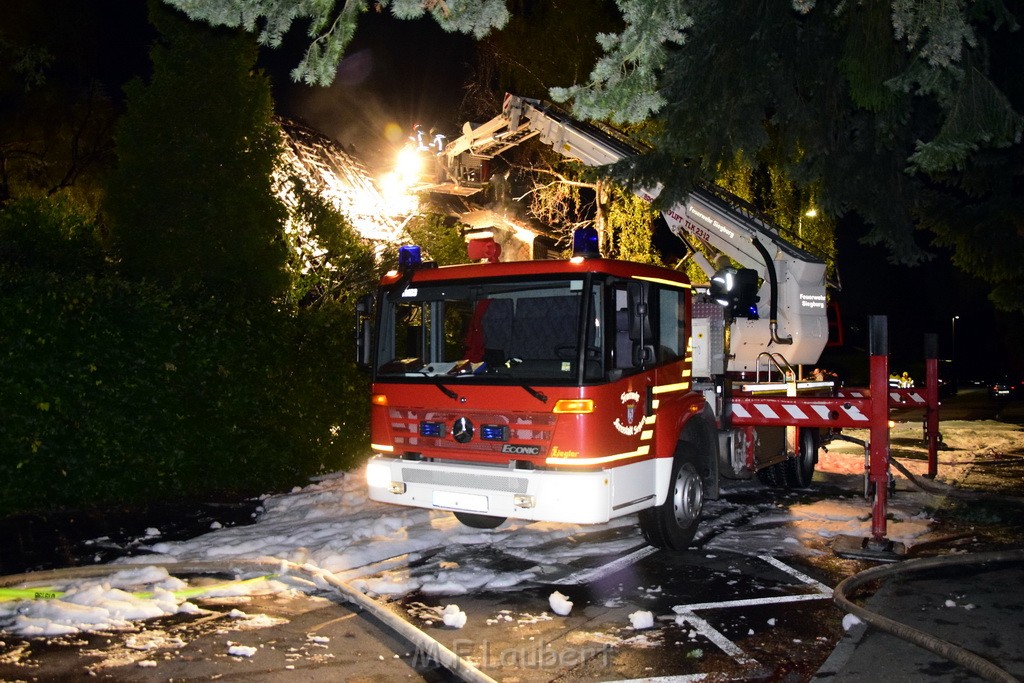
(470, 502)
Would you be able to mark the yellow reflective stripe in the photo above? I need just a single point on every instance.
(587, 462)
(662, 281)
(646, 434)
(665, 388)
(382, 447)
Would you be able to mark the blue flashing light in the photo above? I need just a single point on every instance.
(493, 433)
(584, 243)
(409, 257)
(435, 429)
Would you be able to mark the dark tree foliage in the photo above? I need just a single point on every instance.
(192, 197)
(977, 208)
(119, 390)
(832, 101)
(59, 95)
(439, 237)
(545, 43)
(50, 235)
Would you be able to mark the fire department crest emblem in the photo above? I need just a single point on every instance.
(630, 401)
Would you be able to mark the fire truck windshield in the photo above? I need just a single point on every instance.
(542, 332)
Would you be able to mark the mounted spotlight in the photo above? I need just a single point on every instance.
(484, 248)
(736, 290)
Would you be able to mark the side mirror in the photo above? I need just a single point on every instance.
(643, 355)
(364, 331)
(640, 324)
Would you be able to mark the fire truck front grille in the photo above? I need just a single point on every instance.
(504, 484)
(531, 430)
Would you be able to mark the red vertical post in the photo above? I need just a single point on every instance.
(878, 468)
(931, 395)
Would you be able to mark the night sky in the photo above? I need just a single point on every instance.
(398, 72)
(917, 300)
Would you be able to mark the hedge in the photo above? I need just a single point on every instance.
(114, 391)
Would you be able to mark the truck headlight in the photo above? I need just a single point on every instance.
(378, 475)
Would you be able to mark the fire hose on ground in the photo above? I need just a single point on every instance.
(943, 648)
(445, 657)
(929, 486)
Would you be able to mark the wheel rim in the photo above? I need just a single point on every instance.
(687, 496)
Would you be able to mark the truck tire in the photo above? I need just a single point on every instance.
(673, 524)
(476, 521)
(800, 470)
(773, 476)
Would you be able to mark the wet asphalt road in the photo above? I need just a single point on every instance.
(508, 635)
(781, 626)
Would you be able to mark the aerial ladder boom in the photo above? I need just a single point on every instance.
(792, 279)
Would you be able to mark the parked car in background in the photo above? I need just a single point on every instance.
(1000, 389)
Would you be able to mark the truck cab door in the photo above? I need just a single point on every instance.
(634, 346)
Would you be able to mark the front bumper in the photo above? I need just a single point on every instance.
(579, 497)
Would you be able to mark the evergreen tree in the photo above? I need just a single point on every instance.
(192, 198)
(904, 113)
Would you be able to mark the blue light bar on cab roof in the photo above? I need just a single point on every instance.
(584, 243)
(409, 257)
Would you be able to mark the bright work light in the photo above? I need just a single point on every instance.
(736, 290)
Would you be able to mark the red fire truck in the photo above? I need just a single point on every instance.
(586, 389)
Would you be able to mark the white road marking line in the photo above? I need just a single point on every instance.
(715, 636)
(751, 602)
(687, 612)
(825, 590)
(586, 575)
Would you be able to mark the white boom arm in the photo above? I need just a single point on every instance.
(793, 279)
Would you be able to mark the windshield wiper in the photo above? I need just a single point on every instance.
(428, 372)
(539, 395)
(447, 392)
